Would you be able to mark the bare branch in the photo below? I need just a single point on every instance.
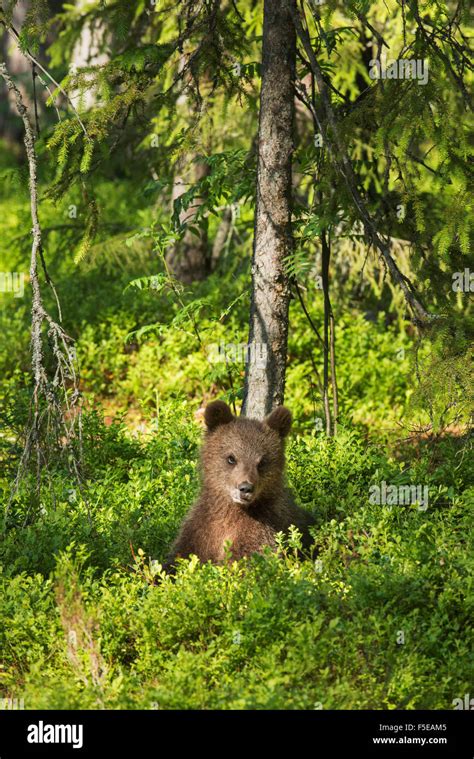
(47, 406)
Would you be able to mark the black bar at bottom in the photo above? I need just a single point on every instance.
(421, 734)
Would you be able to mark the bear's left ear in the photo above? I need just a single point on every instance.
(280, 421)
(217, 413)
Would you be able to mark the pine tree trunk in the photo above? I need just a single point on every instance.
(265, 384)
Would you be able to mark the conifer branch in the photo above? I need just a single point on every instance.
(342, 162)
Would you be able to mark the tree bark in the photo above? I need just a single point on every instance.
(190, 259)
(273, 242)
(221, 240)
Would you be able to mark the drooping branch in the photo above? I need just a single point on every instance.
(463, 54)
(340, 157)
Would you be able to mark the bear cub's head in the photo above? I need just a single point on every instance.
(243, 459)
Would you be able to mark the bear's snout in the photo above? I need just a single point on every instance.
(246, 488)
(243, 493)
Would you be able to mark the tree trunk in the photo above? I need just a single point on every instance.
(88, 51)
(190, 259)
(11, 128)
(265, 384)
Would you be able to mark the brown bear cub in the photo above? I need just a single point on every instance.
(243, 499)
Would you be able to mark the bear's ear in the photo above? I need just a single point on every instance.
(217, 413)
(280, 421)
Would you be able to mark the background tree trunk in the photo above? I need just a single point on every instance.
(190, 259)
(88, 51)
(11, 128)
(265, 385)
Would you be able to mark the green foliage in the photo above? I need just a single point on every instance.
(87, 617)
(107, 629)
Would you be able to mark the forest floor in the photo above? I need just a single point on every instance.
(378, 615)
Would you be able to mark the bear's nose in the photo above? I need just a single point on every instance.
(246, 487)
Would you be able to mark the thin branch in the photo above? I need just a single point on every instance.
(365, 22)
(35, 99)
(326, 247)
(294, 282)
(327, 309)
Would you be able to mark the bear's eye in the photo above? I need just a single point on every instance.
(231, 460)
(263, 463)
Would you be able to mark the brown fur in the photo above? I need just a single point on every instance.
(250, 523)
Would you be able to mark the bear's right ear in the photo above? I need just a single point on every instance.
(279, 420)
(217, 413)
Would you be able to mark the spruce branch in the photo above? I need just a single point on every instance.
(342, 162)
